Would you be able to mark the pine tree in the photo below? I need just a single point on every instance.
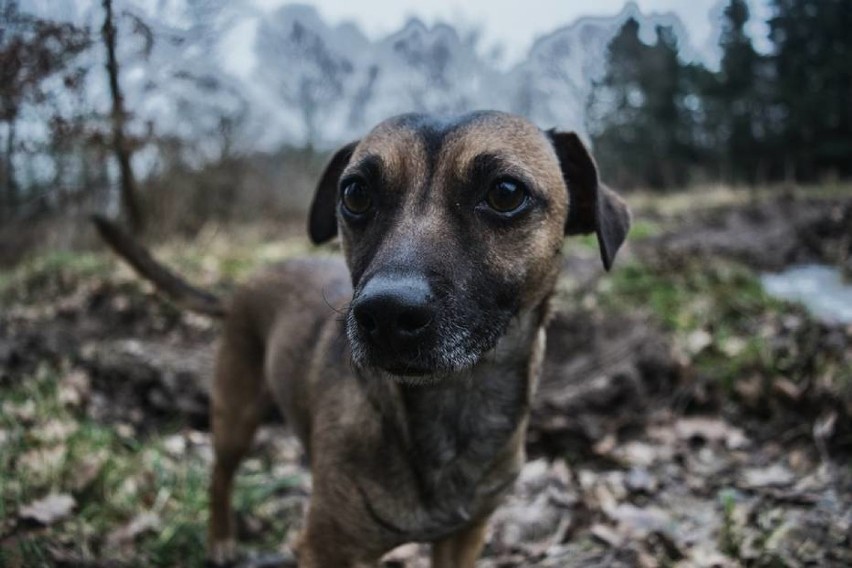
(811, 61)
(739, 105)
(639, 115)
(666, 121)
(616, 109)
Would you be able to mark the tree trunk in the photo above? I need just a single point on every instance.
(10, 190)
(129, 201)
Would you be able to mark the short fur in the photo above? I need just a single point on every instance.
(408, 440)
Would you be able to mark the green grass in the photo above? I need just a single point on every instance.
(217, 261)
(134, 475)
(54, 272)
(719, 300)
(713, 196)
(721, 295)
(716, 312)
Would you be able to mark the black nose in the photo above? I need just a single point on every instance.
(393, 310)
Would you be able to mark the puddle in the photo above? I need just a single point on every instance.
(820, 288)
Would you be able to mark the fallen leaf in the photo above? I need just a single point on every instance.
(54, 430)
(787, 388)
(49, 510)
(25, 412)
(698, 341)
(639, 480)
(824, 427)
(74, 388)
(175, 445)
(43, 460)
(607, 535)
(88, 470)
(711, 430)
(733, 346)
(751, 391)
(638, 522)
(144, 522)
(775, 475)
(606, 445)
(642, 454)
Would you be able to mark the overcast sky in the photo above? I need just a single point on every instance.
(515, 23)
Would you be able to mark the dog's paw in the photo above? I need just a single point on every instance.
(281, 560)
(222, 553)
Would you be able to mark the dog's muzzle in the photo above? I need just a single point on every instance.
(394, 317)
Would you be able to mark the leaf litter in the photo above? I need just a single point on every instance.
(638, 455)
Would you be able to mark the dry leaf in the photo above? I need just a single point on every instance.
(127, 533)
(43, 460)
(55, 430)
(698, 341)
(637, 522)
(775, 475)
(606, 534)
(74, 388)
(711, 430)
(89, 469)
(49, 510)
(25, 412)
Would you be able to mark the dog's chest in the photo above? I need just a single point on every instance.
(452, 450)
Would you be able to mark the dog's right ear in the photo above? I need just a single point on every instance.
(593, 207)
(322, 220)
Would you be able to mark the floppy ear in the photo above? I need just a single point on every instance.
(593, 207)
(322, 219)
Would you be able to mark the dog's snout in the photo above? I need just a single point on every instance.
(395, 309)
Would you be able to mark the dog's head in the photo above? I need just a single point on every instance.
(451, 228)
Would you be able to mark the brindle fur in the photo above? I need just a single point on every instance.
(423, 456)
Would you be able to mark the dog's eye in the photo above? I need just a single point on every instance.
(506, 196)
(356, 199)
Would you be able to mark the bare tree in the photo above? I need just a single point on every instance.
(32, 51)
(314, 81)
(129, 198)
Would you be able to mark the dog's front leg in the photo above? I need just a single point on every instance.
(462, 549)
(323, 544)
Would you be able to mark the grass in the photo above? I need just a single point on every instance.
(718, 316)
(128, 476)
(56, 272)
(716, 313)
(713, 196)
(54, 447)
(50, 443)
(214, 260)
(722, 295)
(729, 540)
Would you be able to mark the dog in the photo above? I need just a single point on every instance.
(407, 368)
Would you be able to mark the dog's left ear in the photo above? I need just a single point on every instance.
(322, 220)
(593, 207)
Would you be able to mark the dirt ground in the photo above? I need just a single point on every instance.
(684, 419)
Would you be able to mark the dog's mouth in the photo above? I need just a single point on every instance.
(447, 350)
(408, 370)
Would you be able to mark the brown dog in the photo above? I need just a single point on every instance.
(412, 406)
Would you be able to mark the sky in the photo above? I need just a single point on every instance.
(515, 24)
